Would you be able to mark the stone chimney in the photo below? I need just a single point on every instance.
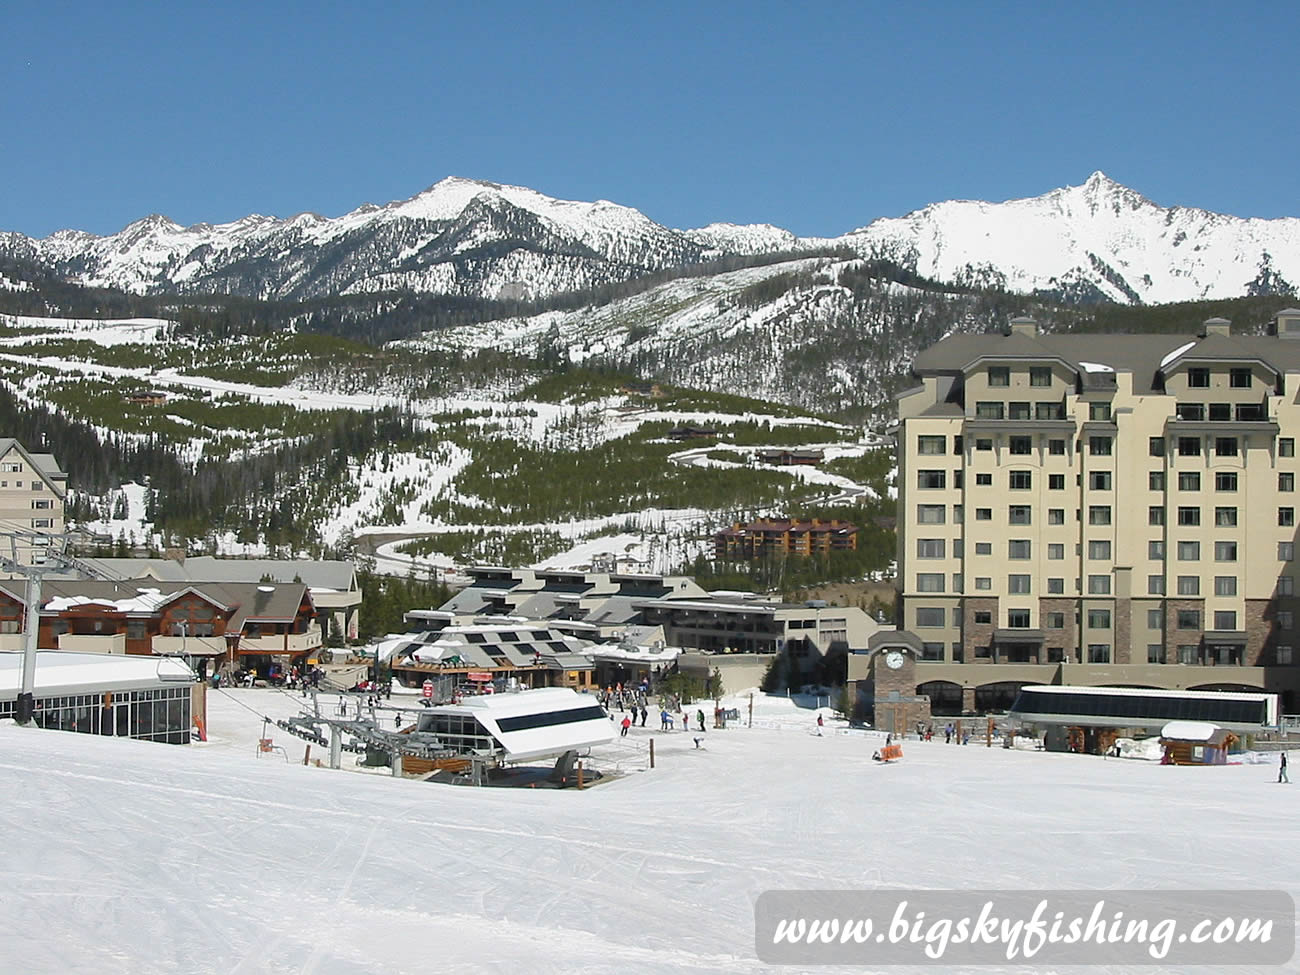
(1215, 326)
(1023, 325)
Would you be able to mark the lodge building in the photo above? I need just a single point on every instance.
(1105, 510)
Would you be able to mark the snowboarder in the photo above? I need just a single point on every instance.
(1281, 772)
(699, 716)
(627, 723)
(820, 723)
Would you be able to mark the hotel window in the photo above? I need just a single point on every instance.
(1048, 411)
(983, 582)
(1155, 586)
(1282, 656)
(1021, 480)
(1225, 586)
(1056, 587)
(1054, 621)
(1099, 411)
(1099, 514)
(1285, 620)
(931, 479)
(10, 468)
(1020, 445)
(930, 548)
(983, 443)
(1018, 548)
(1225, 551)
(956, 478)
(1099, 619)
(1099, 480)
(1225, 481)
(1099, 585)
(42, 503)
(1156, 481)
(1286, 482)
(1189, 585)
(1155, 619)
(1189, 619)
(999, 375)
(930, 616)
(1225, 517)
(1156, 446)
(1189, 481)
(1239, 378)
(1099, 550)
(1155, 653)
(1056, 516)
(1286, 585)
(1056, 448)
(1098, 653)
(1198, 378)
(1018, 584)
(1018, 411)
(1189, 446)
(1286, 446)
(956, 444)
(1156, 548)
(42, 523)
(956, 514)
(37, 486)
(1286, 517)
(932, 651)
(1055, 552)
(1019, 514)
(988, 411)
(983, 514)
(1040, 376)
(983, 480)
(1018, 619)
(1225, 446)
(1189, 516)
(1099, 446)
(983, 548)
(983, 616)
(1225, 619)
(1285, 551)
(1186, 654)
(1220, 412)
(930, 445)
(929, 582)
(931, 514)
(1056, 482)
(1155, 515)
(1189, 551)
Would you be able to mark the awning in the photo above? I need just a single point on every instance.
(1017, 636)
(1234, 637)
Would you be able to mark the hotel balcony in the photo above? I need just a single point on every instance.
(93, 643)
(282, 642)
(205, 646)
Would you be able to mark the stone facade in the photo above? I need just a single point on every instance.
(978, 635)
(1068, 638)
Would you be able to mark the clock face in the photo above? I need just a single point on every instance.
(893, 660)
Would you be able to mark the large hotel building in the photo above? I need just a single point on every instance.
(1113, 510)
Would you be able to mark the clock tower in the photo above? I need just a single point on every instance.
(891, 685)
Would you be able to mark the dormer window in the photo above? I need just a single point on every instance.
(1098, 411)
(1239, 378)
(1040, 376)
(1000, 375)
(1198, 378)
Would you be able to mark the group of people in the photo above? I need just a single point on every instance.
(666, 719)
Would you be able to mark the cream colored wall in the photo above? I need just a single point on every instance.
(17, 496)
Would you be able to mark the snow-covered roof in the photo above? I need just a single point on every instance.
(539, 723)
(60, 672)
(1190, 730)
(642, 654)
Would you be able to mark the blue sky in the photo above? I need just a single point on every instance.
(817, 118)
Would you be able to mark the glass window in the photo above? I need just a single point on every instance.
(1239, 378)
(1156, 480)
(1189, 446)
(1225, 619)
(1099, 411)
(1056, 448)
(1155, 653)
(1285, 551)
(1156, 549)
(983, 582)
(931, 479)
(931, 514)
(929, 582)
(930, 616)
(1155, 619)
(1189, 585)
(1020, 445)
(1285, 620)
(1189, 619)
(930, 548)
(1099, 514)
(1054, 621)
(983, 514)
(1225, 481)
(1225, 551)
(1186, 654)
(1099, 446)
(1018, 411)
(1042, 376)
(1225, 446)
(1225, 586)
(1099, 585)
(1198, 378)
(1189, 516)
(983, 443)
(1282, 655)
(1156, 446)
(1220, 412)
(1056, 516)
(1286, 482)
(1189, 551)
(1099, 550)
(1056, 482)
(983, 616)
(956, 444)
(989, 411)
(1099, 480)
(983, 480)
(1018, 584)
(1225, 517)
(1286, 585)
(1286, 517)
(931, 445)
(1286, 446)
(1019, 514)
(1018, 548)
(1155, 515)
(1099, 619)
(1056, 586)
(983, 548)
(1021, 480)
(999, 375)
(1098, 653)
(1189, 481)
(1018, 619)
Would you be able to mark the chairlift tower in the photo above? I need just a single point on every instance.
(34, 555)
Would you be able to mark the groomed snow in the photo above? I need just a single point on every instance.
(134, 857)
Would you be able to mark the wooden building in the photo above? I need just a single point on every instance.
(1195, 743)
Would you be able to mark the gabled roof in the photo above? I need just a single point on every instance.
(316, 574)
(43, 464)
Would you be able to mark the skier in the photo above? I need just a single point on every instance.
(820, 723)
(644, 714)
(627, 723)
(699, 715)
(1281, 772)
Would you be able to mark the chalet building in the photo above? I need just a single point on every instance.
(245, 624)
(688, 432)
(786, 457)
(785, 537)
(335, 592)
(148, 397)
(1085, 510)
(32, 490)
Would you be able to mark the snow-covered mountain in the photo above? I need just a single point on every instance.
(478, 239)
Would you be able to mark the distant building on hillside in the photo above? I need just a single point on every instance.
(148, 397)
(787, 457)
(785, 536)
(688, 432)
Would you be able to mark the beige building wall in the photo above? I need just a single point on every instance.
(31, 501)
